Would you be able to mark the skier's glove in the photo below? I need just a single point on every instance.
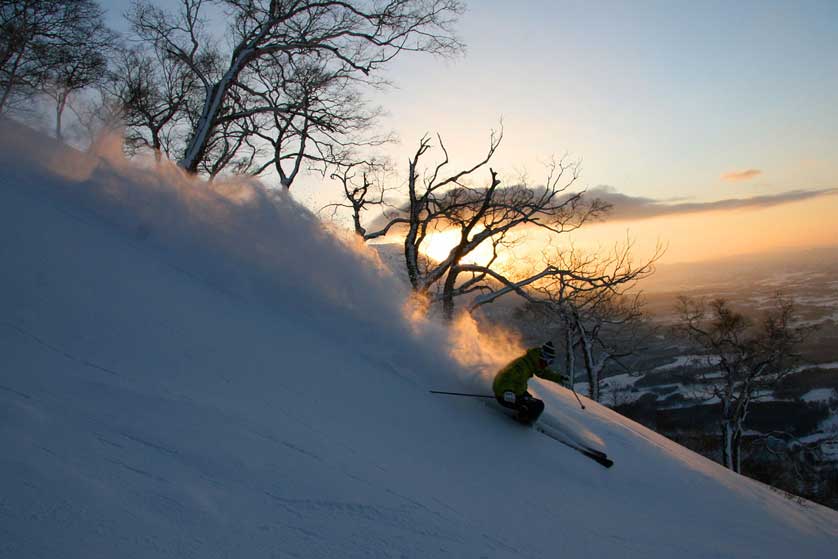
(509, 397)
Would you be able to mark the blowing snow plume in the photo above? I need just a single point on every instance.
(235, 234)
(253, 243)
(481, 351)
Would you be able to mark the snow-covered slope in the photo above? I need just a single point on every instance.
(196, 371)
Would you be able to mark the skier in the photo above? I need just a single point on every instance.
(510, 385)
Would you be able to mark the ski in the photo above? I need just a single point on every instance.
(596, 455)
(461, 394)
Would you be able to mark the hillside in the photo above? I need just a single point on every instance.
(194, 370)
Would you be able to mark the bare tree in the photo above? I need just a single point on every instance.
(337, 38)
(26, 30)
(589, 305)
(78, 67)
(745, 357)
(55, 44)
(429, 198)
(97, 114)
(485, 215)
(365, 190)
(609, 331)
(154, 92)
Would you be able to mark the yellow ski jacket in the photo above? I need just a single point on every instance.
(516, 374)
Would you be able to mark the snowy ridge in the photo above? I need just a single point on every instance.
(205, 373)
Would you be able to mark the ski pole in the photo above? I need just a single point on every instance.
(578, 399)
(459, 394)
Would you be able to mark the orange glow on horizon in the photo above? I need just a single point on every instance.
(694, 237)
(712, 235)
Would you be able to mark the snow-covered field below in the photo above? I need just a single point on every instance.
(194, 370)
(819, 395)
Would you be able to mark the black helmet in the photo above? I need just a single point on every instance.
(548, 353)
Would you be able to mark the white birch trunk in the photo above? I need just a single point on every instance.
(207, 122)
(570, 358)
(727, 445)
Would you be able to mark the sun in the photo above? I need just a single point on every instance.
(438, 245)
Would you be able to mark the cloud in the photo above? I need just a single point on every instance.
(625, 207)
(745, 175)
(634, 208)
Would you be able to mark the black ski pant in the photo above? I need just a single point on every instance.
(528, 407)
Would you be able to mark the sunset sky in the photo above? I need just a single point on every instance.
(727, 110)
